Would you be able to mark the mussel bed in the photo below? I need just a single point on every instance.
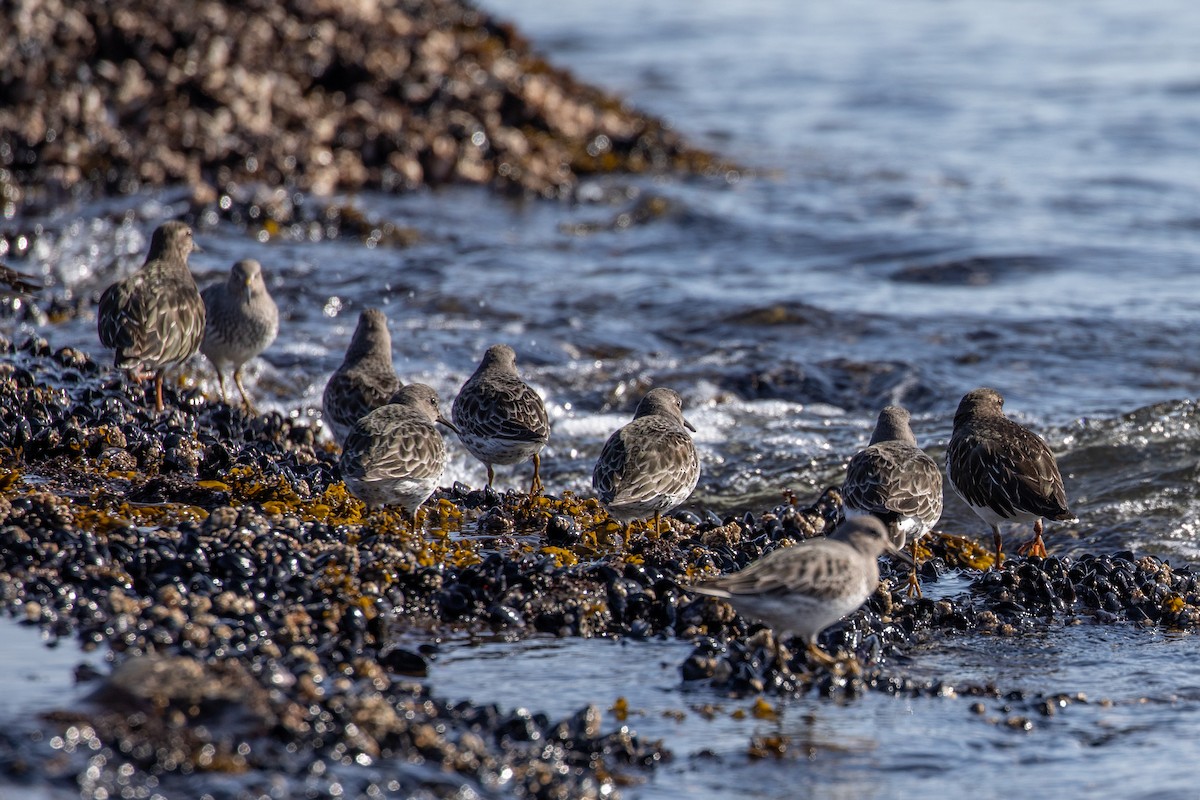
(259, 617)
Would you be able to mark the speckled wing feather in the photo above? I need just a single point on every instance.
(152, 318)
(391, 444)
(502, 410)
(1007, 469)
(823, 569)
(648, 458)
(609, 471)
(894, 478)
(355, 392)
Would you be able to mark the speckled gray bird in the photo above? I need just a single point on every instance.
(500, 418)
(241, 321)
(1003, 471)
(897, 482)
(395, 455)
(650, 465)
(154, 318)
(366, 378)
(805, 588)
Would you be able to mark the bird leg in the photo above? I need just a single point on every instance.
(1035, 546)
(839, 665)
(998, 540)
(221, 383)
(914, 585)
(536, 487)
(158, 383)
(820, 656)
(237, 378)
(491, 475)
(137, 376)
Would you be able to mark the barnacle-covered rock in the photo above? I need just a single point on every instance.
(319, 96)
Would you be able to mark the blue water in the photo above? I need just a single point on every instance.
(938, 196)
(1130, 736)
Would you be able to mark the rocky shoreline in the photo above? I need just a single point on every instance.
(315, 96)
(220, 559)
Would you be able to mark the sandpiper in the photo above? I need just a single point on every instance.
(242, 321)
(366, 378)
(1003, 471)
(500, 418)
(897, 482)
(395, 455)
(650, 465)
(155, 317)
(805, 588)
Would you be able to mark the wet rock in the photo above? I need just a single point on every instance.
(975, 271)
(562, 531)
(156, 682)
(404, 662)
(326, 98)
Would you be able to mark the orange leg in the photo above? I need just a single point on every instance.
(158, 382)
(1035, 546)
(914, 585)
(820, 656)
(536, 487)
(237, 378)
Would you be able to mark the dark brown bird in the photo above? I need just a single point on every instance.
(1003, 471)
(500, 418)
(155, 318)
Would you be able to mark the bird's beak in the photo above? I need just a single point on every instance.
(689, 426)
(448, 424)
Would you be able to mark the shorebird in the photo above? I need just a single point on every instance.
(500, 418)
(805, 588)
(155, 317)
(897, 482)
(1003, 471)
(242, 321)
(395, 455)
(650, 465)
(366, 378)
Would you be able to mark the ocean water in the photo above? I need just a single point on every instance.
(932, 196)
